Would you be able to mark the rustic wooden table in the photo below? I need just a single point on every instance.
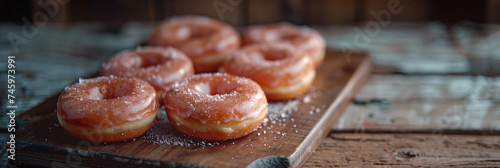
(432, 100)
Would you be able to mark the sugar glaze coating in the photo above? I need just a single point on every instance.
(281, 71)
(206, 41)
(216, 106)
(159, 66)
(107, 109)
(304, 39)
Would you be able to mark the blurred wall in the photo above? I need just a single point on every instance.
(245, 12)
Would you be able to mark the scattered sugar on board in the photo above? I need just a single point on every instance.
(163, 133)
(279, 113)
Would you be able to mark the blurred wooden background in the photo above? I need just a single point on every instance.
(246, 12)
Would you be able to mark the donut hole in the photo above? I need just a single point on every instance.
(194, 32)
(212, 89)
(273, 55)
(150, 60)
(105, 92)
(281, 36)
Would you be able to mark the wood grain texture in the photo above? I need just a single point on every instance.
(406, 150)
(432, 48)
(454, 112)
(444, 89)
(294, 128)
(425, 103)
(401, 47)
(58, 56)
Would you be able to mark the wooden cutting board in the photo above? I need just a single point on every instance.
(292, 131)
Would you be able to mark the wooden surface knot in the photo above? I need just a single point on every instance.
(405, 155)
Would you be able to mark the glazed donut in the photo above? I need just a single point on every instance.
(206, 41)
(305, 39)
(276, 67)
(216, 106)
(107, 109)
(159, 66)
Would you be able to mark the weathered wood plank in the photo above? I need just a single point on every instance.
(481, 45)
(403, 88)
(432, 103)
(406, 150)
(429, 117)
(401, 47)
(58, 55)
(422, 48)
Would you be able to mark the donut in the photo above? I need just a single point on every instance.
(206, 41)
(282, 72)
(159, 66)
(305, 39)
(107, 109)
(216, 106)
